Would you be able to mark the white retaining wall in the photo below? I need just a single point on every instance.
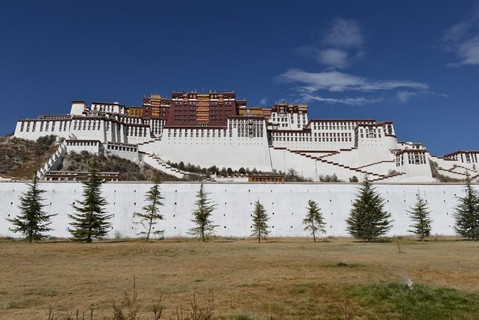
(285, 204)
(283, 160)
(92, 146)
(125, 151)
(232, 152)
(415, 173)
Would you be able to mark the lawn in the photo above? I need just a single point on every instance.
(277, 279)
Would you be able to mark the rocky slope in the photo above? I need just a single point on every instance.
(20, 159)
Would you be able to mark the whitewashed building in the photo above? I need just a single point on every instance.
(217, 129)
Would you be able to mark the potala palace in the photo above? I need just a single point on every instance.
(217, 129)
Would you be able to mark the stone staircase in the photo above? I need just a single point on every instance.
(149, 141)
(461, 171)
(375, 163)
(54, 161)
(342, 166)
(353, 170)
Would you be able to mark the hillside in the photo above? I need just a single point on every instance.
(20, 158)
(129, 171)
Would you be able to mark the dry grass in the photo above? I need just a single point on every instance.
(278, 279)
(20, 159)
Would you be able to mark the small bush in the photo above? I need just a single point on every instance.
(353, 179)
(44, 143)
(328, 178)
(392, 172)
(294, 176)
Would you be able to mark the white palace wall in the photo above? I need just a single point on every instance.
(30, 129)
(207, 147)
(285, 204)
(283, 160)
(222, 152)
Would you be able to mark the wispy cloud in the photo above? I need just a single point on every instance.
(334, 57)
(405, 96)
(339, 46)
(462, 39)
(335, 81)
(313, 86)
(358, 101)
(263, 101)
(344, 33)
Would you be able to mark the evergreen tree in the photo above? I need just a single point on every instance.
(368, 220)
(422, 221)
(314, 220)
(260, 218)
(32, 222)
(151, 214)
(201, 216)
(91, 221)
(467, 213)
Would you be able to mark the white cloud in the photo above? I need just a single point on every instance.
(443, 95)
(404, 96)
(340, 45)
(347, 101)
(468, 51)
(335, 81)
(337, 58)
(462, 39)
(334, 57)
(313, 85)
(344, 33)
(263, 101)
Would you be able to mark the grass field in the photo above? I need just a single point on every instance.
(277, 279)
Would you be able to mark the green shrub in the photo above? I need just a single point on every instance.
(43, 144)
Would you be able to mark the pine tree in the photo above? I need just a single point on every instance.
(260, 218)
(467, 213)
(91, 221)
(368, 220)
(201, 216)
(151, 214)
(32, 222)
(422, 221)
(314, 220)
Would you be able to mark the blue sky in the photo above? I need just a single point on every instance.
(415, 63)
